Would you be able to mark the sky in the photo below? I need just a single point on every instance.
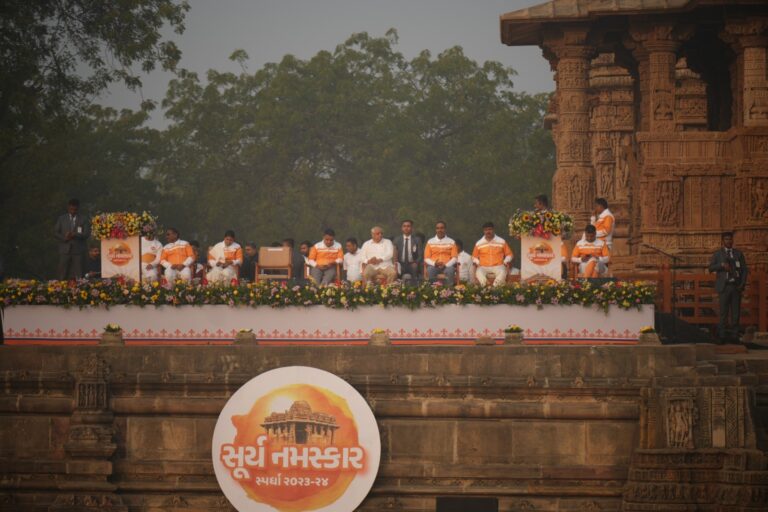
(269, 29)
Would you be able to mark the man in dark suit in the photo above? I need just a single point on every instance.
(409, 250)
(72, 231)
(731, 269)
(250, 258)
(93, 262)
(297, 261)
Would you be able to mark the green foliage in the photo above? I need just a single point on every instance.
(57, 56)
(350, 139)
(100, 159)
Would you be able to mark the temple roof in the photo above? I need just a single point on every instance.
(300, 410)
(522, 27)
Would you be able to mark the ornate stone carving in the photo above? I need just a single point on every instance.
(92, 367)
(680, 418)
(690, 99)
(570, 57)
(708, 441)
(87, 502)
(748, 39)
(758, 200)
(667, 200)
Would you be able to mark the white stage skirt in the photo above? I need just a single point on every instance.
(451, 324)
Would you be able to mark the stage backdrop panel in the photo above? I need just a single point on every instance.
(121, 257)
(318, 324)
(540, 258)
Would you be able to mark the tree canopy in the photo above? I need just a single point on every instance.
(348, 139)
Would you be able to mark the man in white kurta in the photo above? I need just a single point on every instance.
(225, 259)
(465, 263)
(353, 262)
(151, 249)
(378, 257)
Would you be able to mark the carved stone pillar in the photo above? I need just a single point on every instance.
(89, 445)
(660, 191)
(690, 99)
(748, 38)
(660, 43)
(612, 139)
(573, 183)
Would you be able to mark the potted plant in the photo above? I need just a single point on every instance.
(513, 335)
(380, 338)
(245, 337)
(112, 335)
(648, 336)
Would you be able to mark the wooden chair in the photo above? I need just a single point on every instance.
(274, 263)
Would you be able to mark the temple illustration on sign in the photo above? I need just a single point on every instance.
(300, 425)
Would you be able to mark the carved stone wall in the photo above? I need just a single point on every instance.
(690, 99)
(539, 428)
(654, 96)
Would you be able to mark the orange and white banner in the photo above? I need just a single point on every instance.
(121, 257)
(295, 439)
(540, 258)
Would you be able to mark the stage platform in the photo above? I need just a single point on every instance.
(320, 325)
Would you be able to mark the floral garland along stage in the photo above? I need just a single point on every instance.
(529, 223)
(107, 292)
(122, 225)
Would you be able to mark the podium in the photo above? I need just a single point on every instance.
(121, 257)
(540, 258)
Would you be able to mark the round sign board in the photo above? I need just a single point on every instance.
(120, 254)
(296, 439)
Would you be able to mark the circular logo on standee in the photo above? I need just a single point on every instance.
(119, 254)
(296, 439)
(541, 253)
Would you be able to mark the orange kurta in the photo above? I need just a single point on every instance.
(440, 250)
(321, 255)
(492, 253)
(177, 253)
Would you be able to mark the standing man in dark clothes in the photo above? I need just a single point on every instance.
(250, 258)
(731, 269)
(72, 230)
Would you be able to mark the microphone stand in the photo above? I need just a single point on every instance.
(675, 259)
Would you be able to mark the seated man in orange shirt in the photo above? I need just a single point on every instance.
(324, 256)
(225, 259)
(591, 254)
(177, 256)
(440, 255)
(491, 255)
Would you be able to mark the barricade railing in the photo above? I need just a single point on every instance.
(697, 301)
